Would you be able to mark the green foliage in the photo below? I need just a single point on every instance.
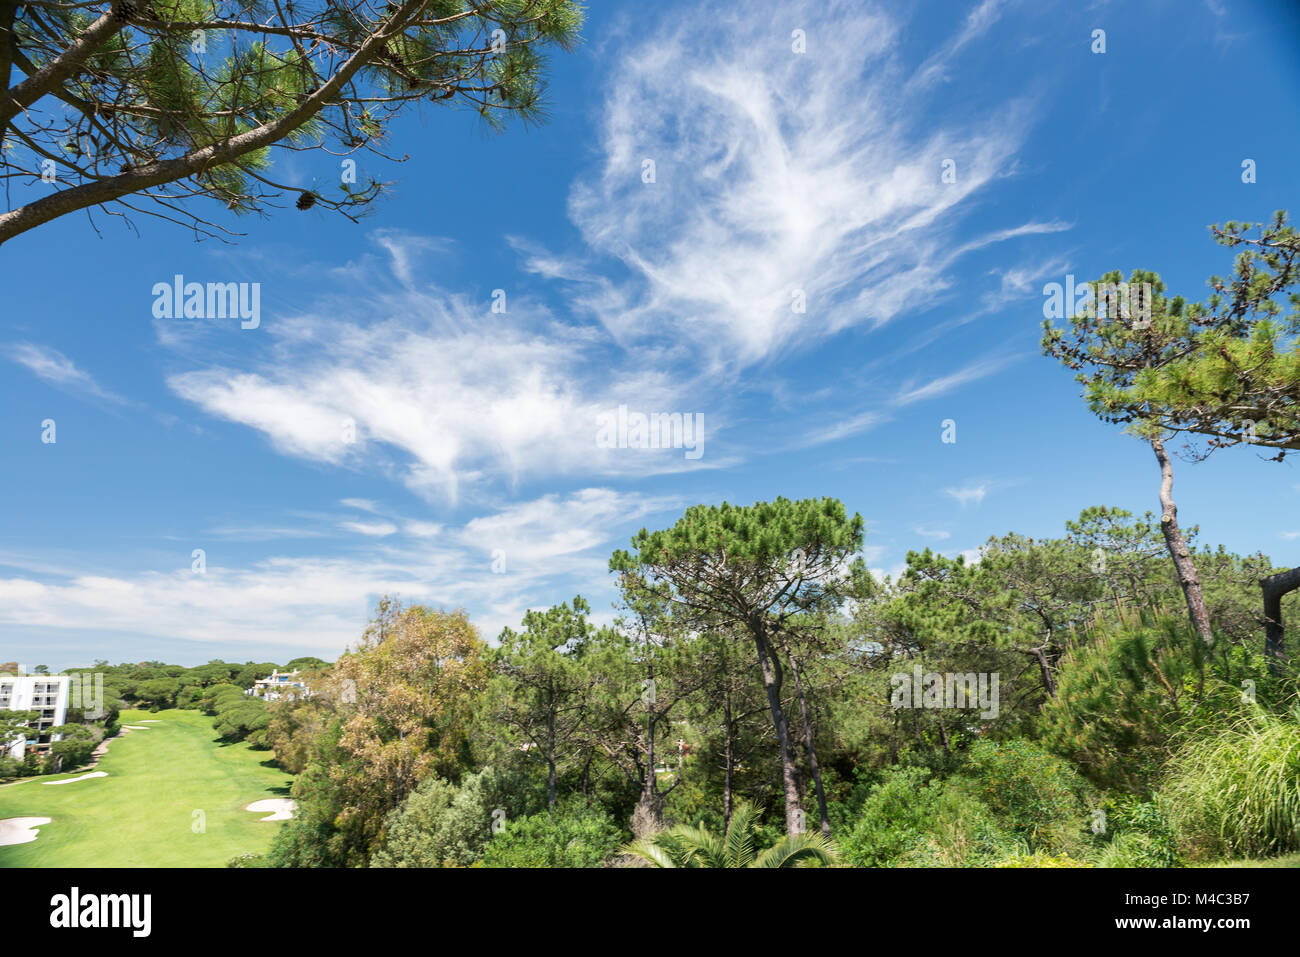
(444, 824)
(566, 837)
(1036, 795)
(1227, 369)
(146, 96)
(1122, 697)
(413, 680)
(246, 720)
(696, 846)
(913, 820)
(1137, 834)
(538, 703)
(1237, 791)
(157, 693)
(76, 745)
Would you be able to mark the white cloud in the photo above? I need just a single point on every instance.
(938, 534)
(374, 529)
(555, 546)
(361, 504)
(776, 172)
(422, 529)
(968, 494)
(843, 428)
(970, 373)
(52, 366)
(554, 525)
(443, 392)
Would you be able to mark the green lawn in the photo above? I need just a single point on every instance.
(142, 814)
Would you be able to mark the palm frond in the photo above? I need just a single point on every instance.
(798, 850)
(740, 835)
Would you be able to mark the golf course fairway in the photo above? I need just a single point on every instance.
(143, 813)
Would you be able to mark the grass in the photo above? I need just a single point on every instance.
(1286, 860)
(1236, 793)
(142, 814)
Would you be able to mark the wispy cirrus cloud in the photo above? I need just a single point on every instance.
(945, 384)
(52, 366)
(442, 392)
(793, 195)
(373, 529)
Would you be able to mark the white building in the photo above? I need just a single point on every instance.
(278, 683)
(45, 694)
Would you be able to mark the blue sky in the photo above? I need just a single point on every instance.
(475, 431)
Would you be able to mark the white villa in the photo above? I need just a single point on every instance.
(278, 683)
(45, 694)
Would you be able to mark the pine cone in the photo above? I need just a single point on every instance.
(306, 200)
(124, 11)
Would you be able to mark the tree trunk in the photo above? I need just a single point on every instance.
(771, 671)
(812, 752)
(1274, 587)
(550, 754)
(728, 757)
(1184, 567)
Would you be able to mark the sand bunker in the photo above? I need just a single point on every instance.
(91, 774)
(20, 830)
(282, 808)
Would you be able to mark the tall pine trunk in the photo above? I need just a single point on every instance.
(771, 671)
(1184, 567)
(729, 754)
(812, 751)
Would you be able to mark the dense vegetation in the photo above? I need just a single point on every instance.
(1115, 696)
(568, 744)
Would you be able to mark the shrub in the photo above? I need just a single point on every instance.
(908, 820)
(441, 824)
(578, 837)
(1035, 795)
(1138, 834)
(1237, 791)
(1125, 695)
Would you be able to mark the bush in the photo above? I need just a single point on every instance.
(1036, 795)
(1237, 792)
(1125, 695)
(580, 837)
(441, 824)
(1138, 834)
(907, 820)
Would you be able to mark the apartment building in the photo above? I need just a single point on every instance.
(45, 694)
